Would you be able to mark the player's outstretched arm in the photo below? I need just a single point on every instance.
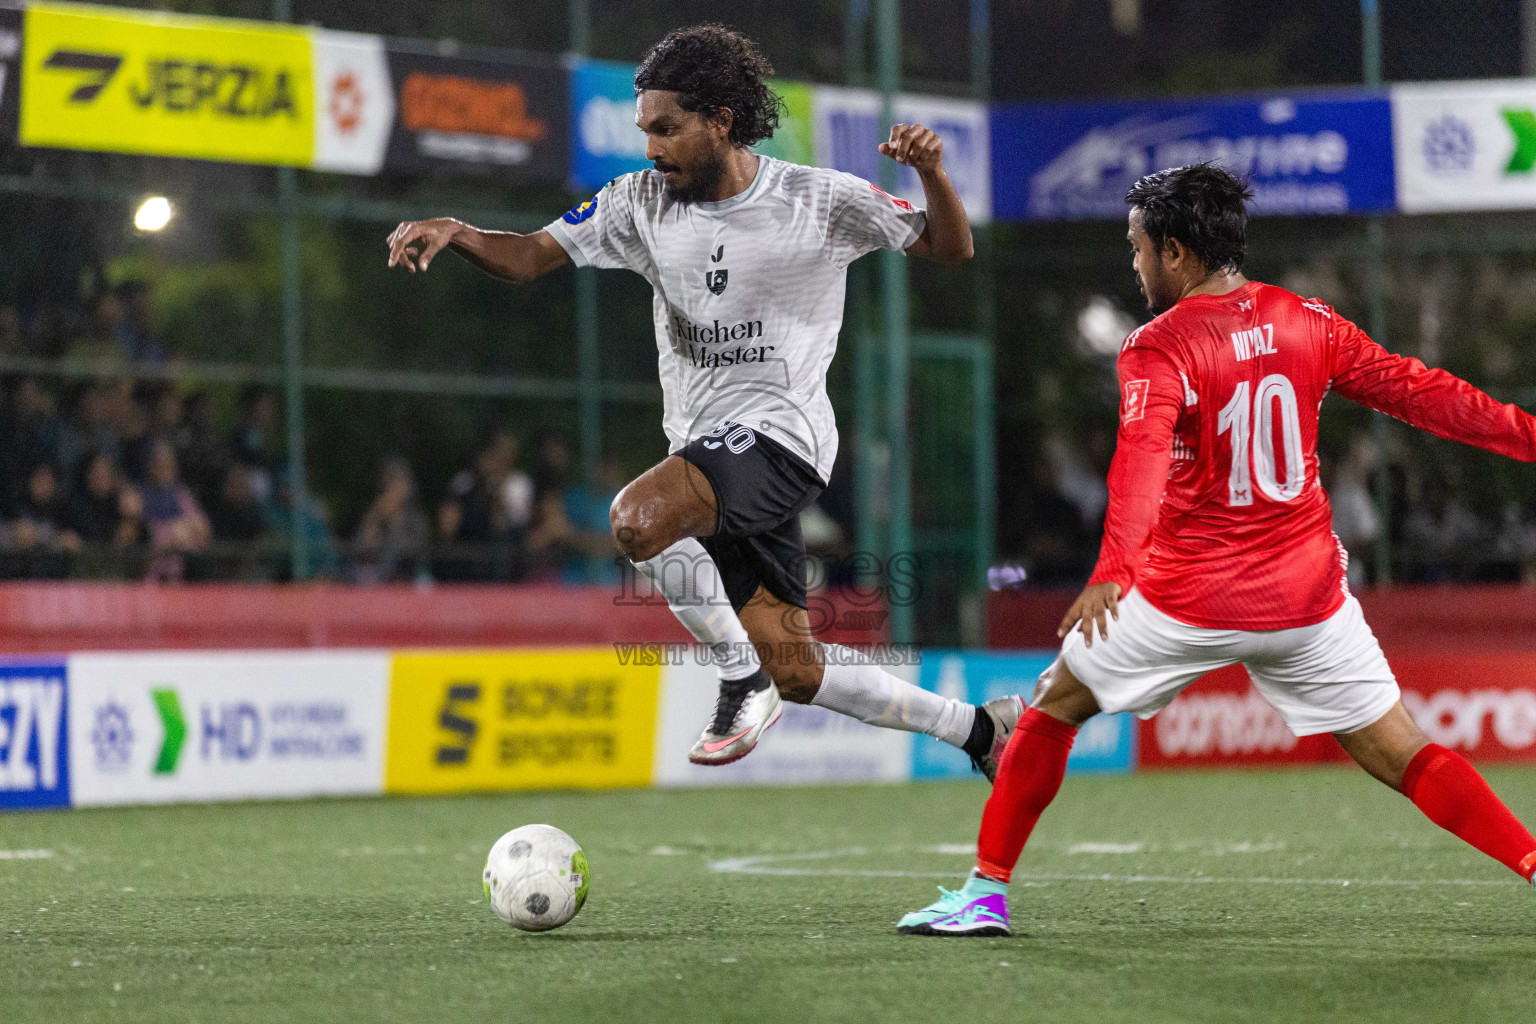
(504, 254)
(1430, 399)
(947, 236)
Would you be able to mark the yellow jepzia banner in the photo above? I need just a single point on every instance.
(101, 79)
(532, 719)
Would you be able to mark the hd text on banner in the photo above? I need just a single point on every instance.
(1306, 153)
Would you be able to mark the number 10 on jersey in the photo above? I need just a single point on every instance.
(1239, 418)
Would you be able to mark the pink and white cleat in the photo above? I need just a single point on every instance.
(743, 712)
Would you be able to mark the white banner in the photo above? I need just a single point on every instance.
(1465, 145)
(170, 727)
(847, 131)
(808, 744)
(354, 102)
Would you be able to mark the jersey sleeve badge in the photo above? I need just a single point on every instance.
(577, 214)
(1135, 400)
(896, 201)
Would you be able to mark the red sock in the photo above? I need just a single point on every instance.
(1028, 776)
(1454, 796)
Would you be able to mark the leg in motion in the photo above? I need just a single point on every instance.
(844, 680)
(1443, 785)
(655, 522)
(1028, 779)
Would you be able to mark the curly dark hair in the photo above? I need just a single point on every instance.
(1204, 206)
(714, 68)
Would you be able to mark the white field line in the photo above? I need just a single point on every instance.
(773, 864)
(25, 854)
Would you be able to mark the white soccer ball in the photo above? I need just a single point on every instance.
(536, 878)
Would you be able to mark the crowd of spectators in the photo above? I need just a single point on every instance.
(117, 478)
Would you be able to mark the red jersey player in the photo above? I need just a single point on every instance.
(1218, 547)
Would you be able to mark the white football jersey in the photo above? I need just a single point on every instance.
(748, 291)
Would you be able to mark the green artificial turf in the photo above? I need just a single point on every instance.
(371, 910)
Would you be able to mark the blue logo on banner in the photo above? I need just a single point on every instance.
(604, 140)
(34, 736)
(1105, 744)
(1305, 154)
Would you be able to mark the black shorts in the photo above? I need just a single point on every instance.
(760, 490)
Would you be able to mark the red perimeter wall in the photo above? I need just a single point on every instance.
(62, 617)
(1465, 658)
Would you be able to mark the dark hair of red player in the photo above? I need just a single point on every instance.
(714, 68)
(1203, 206)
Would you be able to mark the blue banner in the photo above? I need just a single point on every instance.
(34, 735)
(1107, 743)
(604, 140)
(1304, 154)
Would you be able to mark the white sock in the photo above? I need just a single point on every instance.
(689, 579)
(853, 685)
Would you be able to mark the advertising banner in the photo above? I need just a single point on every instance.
(34, 741)
(1304, 154)
(169, 85)
(533, 719)
(807, 745)
(1465, 145)
(354, 102)
(171, 727)
(10, 75)
(464, 116)
(1107, 743)
(604, 140)
(795, 139)
(848, 134)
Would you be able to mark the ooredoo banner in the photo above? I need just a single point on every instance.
(171, 727)
(461, 115)
(532, 719)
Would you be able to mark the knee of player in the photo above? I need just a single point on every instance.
(633, 535)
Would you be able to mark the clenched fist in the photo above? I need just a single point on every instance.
(918, 147)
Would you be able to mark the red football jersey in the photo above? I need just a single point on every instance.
(1215, 511)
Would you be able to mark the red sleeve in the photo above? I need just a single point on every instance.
(1432, 400)
(1151, 399)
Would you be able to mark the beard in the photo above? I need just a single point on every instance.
(1158, 302)
(702, 182)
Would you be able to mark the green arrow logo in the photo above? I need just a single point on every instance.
(1522, 122)
(169, 707)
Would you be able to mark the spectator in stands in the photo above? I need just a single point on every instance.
(177, 524)
(392, 540)
(41, 529)
(200, 447)
(1442, 535)
(31, 435)
(1058, 548)
(319, 541)
(516, 486)
(135, 326)
(253, 441)
(1355, 521)
(582, 530)
(104, 510)
(238, 519)
(475, 521)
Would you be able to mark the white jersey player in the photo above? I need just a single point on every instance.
(747, 257)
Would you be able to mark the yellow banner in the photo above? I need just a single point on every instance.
(168, 85)
(537, 719)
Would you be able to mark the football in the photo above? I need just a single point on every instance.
(536, 878)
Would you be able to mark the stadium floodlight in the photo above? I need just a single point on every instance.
(153, 214)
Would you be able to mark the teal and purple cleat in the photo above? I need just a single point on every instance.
(979, 908)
